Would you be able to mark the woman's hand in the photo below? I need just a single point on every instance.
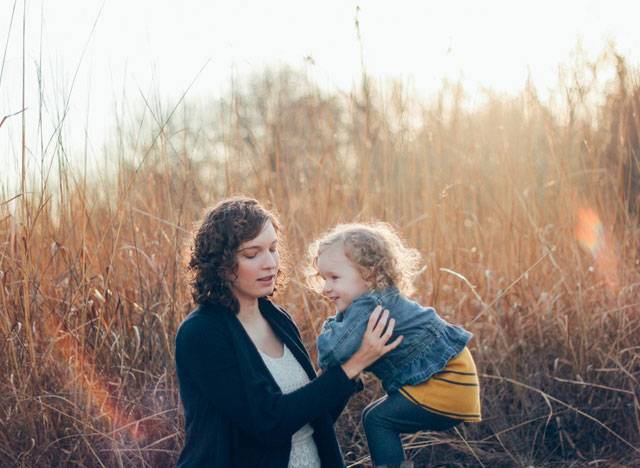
(374, 343)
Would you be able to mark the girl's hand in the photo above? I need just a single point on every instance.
(374, 343)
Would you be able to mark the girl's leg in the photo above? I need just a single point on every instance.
(385, 419)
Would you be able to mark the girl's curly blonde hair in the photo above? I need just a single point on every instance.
(376, 250)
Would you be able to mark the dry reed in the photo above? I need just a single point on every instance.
(92, 286)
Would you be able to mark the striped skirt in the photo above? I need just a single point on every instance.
(453, 392)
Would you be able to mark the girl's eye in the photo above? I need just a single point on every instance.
(250, 256)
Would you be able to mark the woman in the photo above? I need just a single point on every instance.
(250, 394)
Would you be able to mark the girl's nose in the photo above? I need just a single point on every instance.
(326, 287)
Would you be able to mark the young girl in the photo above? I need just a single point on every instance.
(430, 379)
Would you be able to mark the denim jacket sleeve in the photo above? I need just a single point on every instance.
(339, 339)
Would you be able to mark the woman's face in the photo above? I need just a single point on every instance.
(258, 262)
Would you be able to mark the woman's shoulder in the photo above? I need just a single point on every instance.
(204, 319)
(204, 336)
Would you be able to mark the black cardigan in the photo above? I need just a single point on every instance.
(235, 413)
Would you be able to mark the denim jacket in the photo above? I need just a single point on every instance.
(429, 341)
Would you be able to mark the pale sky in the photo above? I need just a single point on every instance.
(159, 47)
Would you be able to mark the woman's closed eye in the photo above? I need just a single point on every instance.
(254, 253)
(250, 254)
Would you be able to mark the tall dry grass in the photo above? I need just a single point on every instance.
(497, 199)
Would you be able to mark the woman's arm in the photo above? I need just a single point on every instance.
(247, 397)
(373, 347)
(206, 357)
(335, 412)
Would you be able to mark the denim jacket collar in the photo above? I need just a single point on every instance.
(381, 295)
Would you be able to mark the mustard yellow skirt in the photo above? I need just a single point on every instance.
(453, 392)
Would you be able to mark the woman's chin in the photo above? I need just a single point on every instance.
(267, 290)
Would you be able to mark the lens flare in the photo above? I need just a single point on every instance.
(84, 374)
(592, 237)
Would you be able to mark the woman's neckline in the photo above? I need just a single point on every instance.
(284, 352)
(243, 326)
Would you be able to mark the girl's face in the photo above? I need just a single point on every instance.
(342, 281)
(258, 262)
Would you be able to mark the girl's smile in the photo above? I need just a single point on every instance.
(343, 282)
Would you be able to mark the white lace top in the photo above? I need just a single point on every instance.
(290, 376)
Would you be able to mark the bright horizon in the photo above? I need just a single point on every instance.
(157, 49)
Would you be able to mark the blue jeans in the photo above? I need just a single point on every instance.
(386, 418)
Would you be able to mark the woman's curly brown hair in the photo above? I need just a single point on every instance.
(376, 250)
(213, 257)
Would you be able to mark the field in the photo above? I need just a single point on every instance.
(526, 215)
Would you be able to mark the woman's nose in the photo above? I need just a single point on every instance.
(271, 261)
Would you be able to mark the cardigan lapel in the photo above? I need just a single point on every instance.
(284, 329)
(246, 347)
